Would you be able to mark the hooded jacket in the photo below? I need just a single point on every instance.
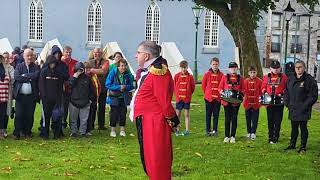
(81, 89)
(50, 82)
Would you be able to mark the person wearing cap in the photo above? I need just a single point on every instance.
(274, 84)
(184, 85)
(82, 94)
(100, 68)
(300, 94)
(212, 98)
(26, 94)
(231, 81)
(51, 89)
(252, 92)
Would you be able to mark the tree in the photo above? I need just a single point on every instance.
(241, 17)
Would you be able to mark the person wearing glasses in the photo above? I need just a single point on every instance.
(300, 94)
(153, 112)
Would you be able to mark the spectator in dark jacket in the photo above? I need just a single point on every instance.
(63, 74)
(17, 56)
(301, 93)
(26, 93)
(51, 88)
(119, 83)
(82, 94)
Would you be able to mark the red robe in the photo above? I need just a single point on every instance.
(252, 92)
(225, 86)
(184, 86)
(153, 103)
(210, 84)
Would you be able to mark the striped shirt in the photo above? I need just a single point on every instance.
(4, 89)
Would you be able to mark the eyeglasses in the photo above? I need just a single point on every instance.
(139, 52)
(299, 67)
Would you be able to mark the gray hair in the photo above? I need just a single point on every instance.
(301, 62)
(150, 47)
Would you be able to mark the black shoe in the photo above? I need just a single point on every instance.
(16, 137)
(83, 136)
(73, 135)
(44, 137)
(290, 147)
(102, 128)
(302, 150)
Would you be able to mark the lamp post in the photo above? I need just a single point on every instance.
(308, 45)
(288, 15)
(197, 11)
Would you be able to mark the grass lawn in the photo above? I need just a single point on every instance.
(195, 156)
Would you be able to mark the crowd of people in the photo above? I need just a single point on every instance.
(65, 87)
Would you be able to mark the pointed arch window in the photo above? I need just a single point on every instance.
(36, 20)
(94, 22)
(152, 30)
(211, 29)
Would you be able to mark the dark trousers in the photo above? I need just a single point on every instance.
(25, 106)
(231, 119)
(92, 116)
(274, 114)
(252, 117)
(56, 125)
(102, 110)
(3, 115)
(295, 132)
(66, 101)
(118, 114)
(212, 109)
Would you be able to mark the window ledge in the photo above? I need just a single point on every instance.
(207, 50)
(90, 45)
(35, 44)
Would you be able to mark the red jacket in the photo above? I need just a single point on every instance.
(252, 92)
(225, 85)
(70, 63)
(184, 86)
(279, 80)
(210, 84)
(153, 103)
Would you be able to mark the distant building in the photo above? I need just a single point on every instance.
(297, 47)
(85, 24)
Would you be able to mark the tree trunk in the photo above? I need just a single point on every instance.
(238, 20)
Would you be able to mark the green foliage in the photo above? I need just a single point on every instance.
(195, 157)
(255, 6)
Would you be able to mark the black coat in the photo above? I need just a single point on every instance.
(81, 91)
(300, 95)
(50, 85)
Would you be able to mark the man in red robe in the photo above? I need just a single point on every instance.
(153, 112)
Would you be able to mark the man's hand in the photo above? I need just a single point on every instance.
(77, 74)
(123, 88)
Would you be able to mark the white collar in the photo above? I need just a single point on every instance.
(148, 63)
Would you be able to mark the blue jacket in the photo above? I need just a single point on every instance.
(114, 86)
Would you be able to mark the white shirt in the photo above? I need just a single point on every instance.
(146, 65)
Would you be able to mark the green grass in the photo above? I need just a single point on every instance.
(195, 157)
